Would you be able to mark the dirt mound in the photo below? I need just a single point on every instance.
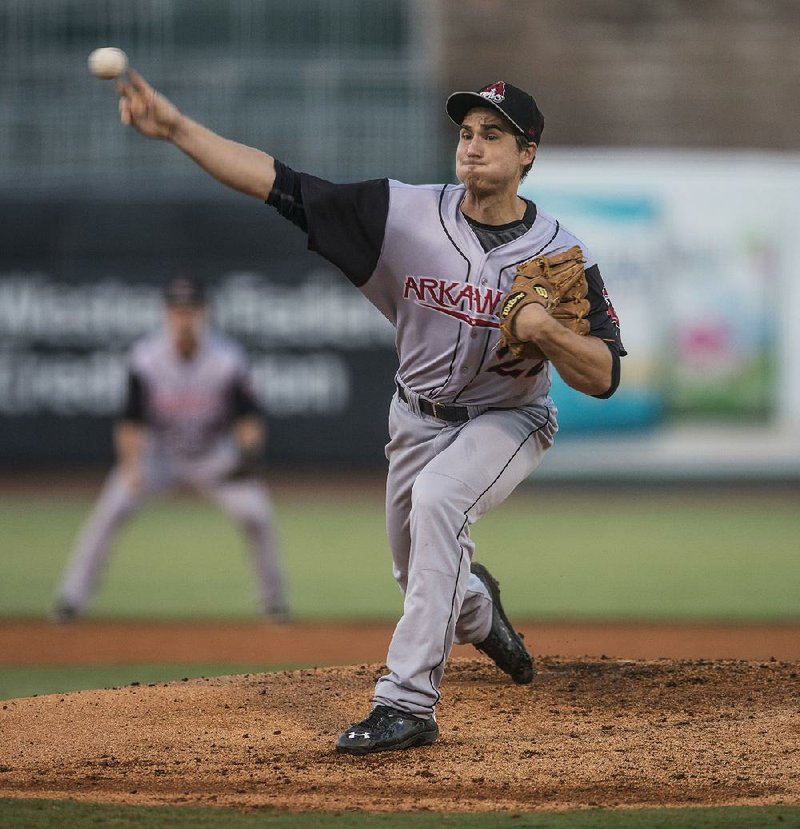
(585, 733)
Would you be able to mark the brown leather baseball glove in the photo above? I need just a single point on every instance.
(557, 282)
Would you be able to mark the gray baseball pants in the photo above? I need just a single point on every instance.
(441, 479)
(246, 501)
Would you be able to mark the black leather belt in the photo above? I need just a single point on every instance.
(441, 411)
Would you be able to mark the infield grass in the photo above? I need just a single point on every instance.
(639, 555)
(36, 680)
(643, 555)
(55, 814)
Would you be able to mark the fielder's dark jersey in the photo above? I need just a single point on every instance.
(438, 278)
(188, 404)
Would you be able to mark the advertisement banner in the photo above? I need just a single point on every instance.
(694, 249)
(322, 358)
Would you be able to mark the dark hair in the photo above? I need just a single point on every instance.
(522, 144)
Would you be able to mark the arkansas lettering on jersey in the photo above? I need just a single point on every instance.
(472, 304)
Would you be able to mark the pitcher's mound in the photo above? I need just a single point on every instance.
(585, 733)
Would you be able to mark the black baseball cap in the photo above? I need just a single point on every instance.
(184, 290)
(509, 100)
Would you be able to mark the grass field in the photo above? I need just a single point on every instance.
(27, 681)
(647, 555)
(47, 814)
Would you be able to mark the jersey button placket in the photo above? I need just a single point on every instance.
(466, 369)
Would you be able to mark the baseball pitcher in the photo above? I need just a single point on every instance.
(487, 293)
(190, 418)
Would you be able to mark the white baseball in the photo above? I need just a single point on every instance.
(108, 62)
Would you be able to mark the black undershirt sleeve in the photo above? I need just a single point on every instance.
(615, 374)
(604, 325)
(134, 408)
(345, 223)
(243, 399)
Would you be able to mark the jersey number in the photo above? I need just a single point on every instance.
(508, 367)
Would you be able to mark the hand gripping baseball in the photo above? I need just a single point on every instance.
(556, 282)
(141, 107)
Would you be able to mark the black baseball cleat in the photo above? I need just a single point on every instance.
(387, 729)
(65, 613)
(278, 615)
(503, 645)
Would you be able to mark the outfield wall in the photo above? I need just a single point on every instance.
(696, 249)
(80, 280)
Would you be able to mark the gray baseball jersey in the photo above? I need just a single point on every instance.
(188, 406)
(469, 421)
(422, 263)
(187, 409)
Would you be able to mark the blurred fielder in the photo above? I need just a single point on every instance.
(190, 418)
(486, 293)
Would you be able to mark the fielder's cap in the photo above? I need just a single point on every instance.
(516, 105)
(184, 290)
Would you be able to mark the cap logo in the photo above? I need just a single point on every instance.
(495, 92)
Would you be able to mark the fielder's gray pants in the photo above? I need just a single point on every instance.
(246, 501)
(441, 479)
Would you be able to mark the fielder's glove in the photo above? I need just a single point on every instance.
(248, 465)
(558, 283)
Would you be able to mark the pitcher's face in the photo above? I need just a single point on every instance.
(488, 158)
